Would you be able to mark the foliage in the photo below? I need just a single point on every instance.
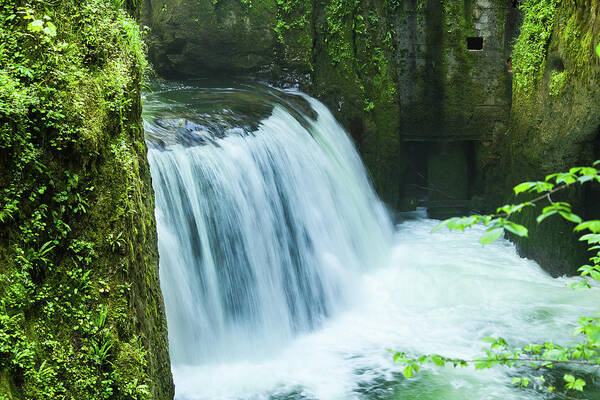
(291, 15)
(544, 356)
(358, 42)
(557, 83)
(531, 47)
(69, 72)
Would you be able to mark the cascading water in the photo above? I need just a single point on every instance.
(261, 232)
(283, 278)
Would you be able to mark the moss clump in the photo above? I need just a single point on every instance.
(557, 83)
(530, 49)
(78, 262)
(294, 31)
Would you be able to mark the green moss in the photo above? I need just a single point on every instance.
(294, 28)
(530, 49)
(72, 306)
(557, 83)
(554, 118)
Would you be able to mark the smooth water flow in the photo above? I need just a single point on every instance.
(284, 279)
(262, 233)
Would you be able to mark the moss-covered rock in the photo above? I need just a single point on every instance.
(555, 120)
(81, 313)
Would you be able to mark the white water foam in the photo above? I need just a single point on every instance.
(283, 280)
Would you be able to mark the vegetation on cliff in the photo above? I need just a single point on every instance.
(554, 121)
(80, 304)
(531, 46)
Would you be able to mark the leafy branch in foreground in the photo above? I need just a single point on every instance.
(548, 355)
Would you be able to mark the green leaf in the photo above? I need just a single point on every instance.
(541, 187)
(594, 334)
(50, 29)
(516, 229)
(577, 384)
(571, 217)
(524, 187)
(586, 178)
(512, 208)
(582, 284)
(567, 178)
(446, 223)
(438, 360)
(545, 215)
(35, 26)
(591, 238)
(408, 372)
(491, 235)
(597, 52)
(593, 226)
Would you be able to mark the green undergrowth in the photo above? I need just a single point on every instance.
(71, 186)
(531, 46)
(294, 32)
(359, 44)
(574, 41)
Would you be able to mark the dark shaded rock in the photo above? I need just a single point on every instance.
(198, 38)
(554, 126)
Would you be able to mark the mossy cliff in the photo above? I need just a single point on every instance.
(81, 313)
(392, 71)
(555, 120)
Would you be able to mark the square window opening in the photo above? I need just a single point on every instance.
(475, 43)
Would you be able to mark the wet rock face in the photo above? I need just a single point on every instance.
(554, 125)
(192, 38)
(87, 307)
(444, 61)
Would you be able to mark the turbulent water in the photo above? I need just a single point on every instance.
(284, 278)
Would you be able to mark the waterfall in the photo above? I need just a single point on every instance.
(283, 279)
(263, 224)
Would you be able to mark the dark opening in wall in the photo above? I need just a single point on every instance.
(509, 67)
(557, 65)
(416, 155)
(475, 43)
(448, 178)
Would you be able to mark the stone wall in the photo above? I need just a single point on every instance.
(449, 92)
